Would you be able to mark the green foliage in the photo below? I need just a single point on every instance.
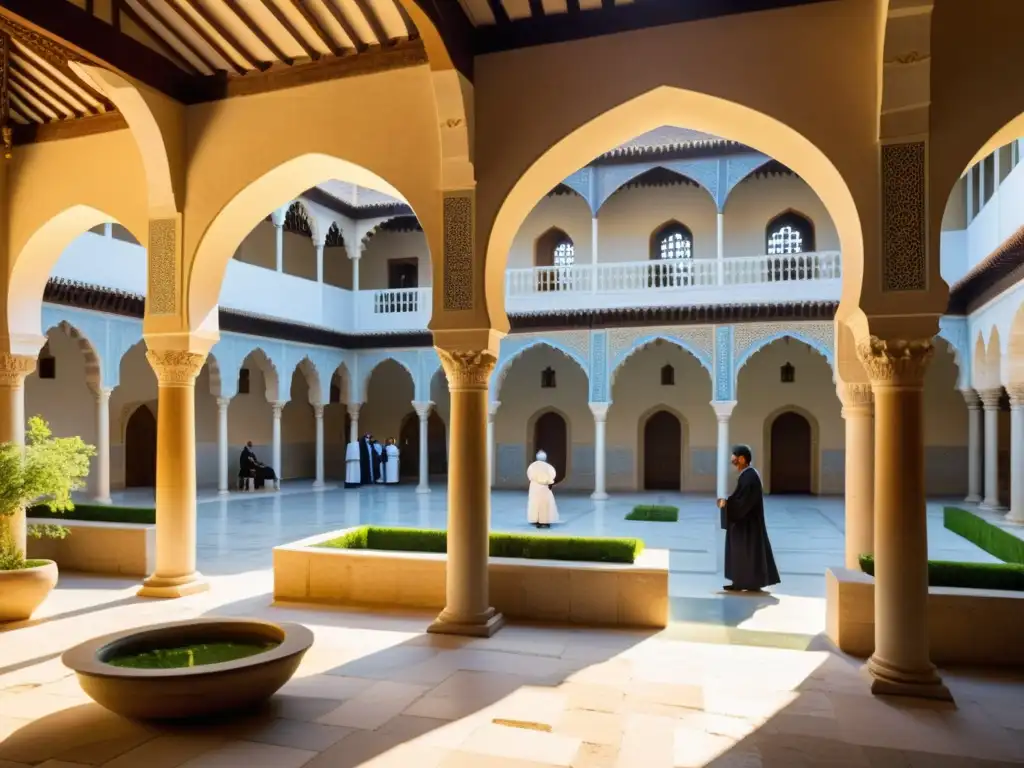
(45, 472)
(196, 655)
(983, 534)
(535, 547)
(654, 513)
(100, 513)
(943, 573)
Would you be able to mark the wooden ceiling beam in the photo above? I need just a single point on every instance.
(23, 70)
(66, 129)
(373, 20)
(290, 29)
(60, 23)
(187, 44)
(314, 24)
(231, 40)
(411, 33)
(46, 95)
(207, 38)
(346, 25)
(168, 50)
(499, 12)
(25, 109)
(257, 30)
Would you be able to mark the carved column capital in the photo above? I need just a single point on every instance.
(856, 398)
(318, 411)
(353, 409)
(277, 406)
(423, 408)
(600, 411)
(895, 362)
(102, 394)
(14, 369)
(223, 403)
(972, 399)
(175, 367)
(1016, 393)
(992, 398)
(467, 369)
(723, 410)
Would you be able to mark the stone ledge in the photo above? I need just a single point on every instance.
(965, 626)
(126, 549)
(589, 594)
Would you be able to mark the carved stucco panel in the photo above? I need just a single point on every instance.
(750, 336)
(458, 252)
(162, 298)
(904, 212)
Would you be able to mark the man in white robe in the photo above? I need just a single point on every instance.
(353, 476)
(391, 465)
(541, 510)
(379, 463)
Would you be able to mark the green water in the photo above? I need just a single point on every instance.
(190, 655)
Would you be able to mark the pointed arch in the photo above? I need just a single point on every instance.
(789, 232)
(505, 362)
(271, 379)
(702, 357)
(374, 364)
(673, 240)
(815, 447)
(298, 219)
(344, 377)
(804, 338)
(93, 363)
(987, 363)
(312, 376)
(554, 248)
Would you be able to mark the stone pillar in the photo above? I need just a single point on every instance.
(355, 285)
(900, 664)
(175, 574)
(319, 262)
(492, 412)
(101, 484)
(423, 411)
(600, 411)
(990, 399)
(723, 410)
(859, 415)
(318, 413)
(1016, 514)
(973, 446)
(13, 370)
(108, 229)
(277, 218)
(467, 608)
(222, 445)
(353, 427)
(720, 253)
(278, 408)
(593, 254)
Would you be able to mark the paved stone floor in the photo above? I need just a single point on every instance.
(375, 690)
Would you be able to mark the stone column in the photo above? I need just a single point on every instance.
(859, 415)
(175, 574)
(319, 261)
(900, 664)
(593, 254)
(355, 284)
(101, 484)
(278, 408)
(723, 411)
(13, 370)
(1016, 514)
(600, 411)
(423, 411)
(108, 229)
(467, 599)
(973, 446)
(318, 413)
(222, 445)
(720, 253)
(492, 412)
(990, 399)
(277, 218)
(353, 427)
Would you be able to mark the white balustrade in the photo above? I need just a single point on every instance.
(396, 301)
(819, 265)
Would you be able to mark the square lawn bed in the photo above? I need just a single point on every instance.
(578, 592)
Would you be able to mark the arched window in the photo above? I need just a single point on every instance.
(789, 232)
(668, 376)
(565, 254)
(672, 241)
(554, 249)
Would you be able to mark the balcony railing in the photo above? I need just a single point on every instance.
(397, 301)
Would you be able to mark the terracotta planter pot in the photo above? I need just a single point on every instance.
(24, 590)
(189, 692)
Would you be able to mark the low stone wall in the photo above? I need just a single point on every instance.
(965, 626)
(111, 548)
(610, 594)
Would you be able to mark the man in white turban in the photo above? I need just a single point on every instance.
(542, 510)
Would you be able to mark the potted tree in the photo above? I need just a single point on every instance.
(46, 470)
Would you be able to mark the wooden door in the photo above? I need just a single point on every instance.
(403, 273)
(663, 452)
(551, 435)
(791, 454)
(140, 449)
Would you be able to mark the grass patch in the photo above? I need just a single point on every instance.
(190, 655)
(984, 535)
(654, 513)
(943, 573)
(576, 548)
(98, 513)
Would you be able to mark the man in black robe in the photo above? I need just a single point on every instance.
(749, 562)
(367, 460)
(250, 466)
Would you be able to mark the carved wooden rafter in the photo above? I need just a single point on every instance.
(5, 97)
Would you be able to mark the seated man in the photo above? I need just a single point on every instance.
(252, 467)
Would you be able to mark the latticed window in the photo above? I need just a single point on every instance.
(676, 245)
(565, 254)
(788, 233)
(785, 240)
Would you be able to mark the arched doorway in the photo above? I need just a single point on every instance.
(663, 452)
(140, 449)
(791, 454)
(551, 435)
(409, 445)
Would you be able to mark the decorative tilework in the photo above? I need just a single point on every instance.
(163, 267)
(723, 370)
(748, 338)
(904, 217)
(458, 253)
(698, 340)
(599, 367)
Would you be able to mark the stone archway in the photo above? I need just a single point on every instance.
(790, 447)
(662, 452)
(140, 449)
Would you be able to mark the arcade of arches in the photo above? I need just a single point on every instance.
(767, 212)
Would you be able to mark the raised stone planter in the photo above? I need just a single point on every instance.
(190, 692)
(965, 626)
(111, 548)
(612, 594)
(24, 590)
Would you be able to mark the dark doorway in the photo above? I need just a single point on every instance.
(663, 452)
(551, 435)
(403, 273)
(140, 449)
(791, 454)
(409, 445)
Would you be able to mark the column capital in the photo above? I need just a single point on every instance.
(600, 410)
(423, 408)
(723, 409)
(991, 398)
(102, 393)
(971, 398)
(175, 367)
(223, 403)
(277, 406)
(856, 398)
(318, 410)
(895, 362)
(14, 369)
(467, 369)
(278, 216)
(1016, 392)
(353, 409)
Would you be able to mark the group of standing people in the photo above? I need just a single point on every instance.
(367, 462)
